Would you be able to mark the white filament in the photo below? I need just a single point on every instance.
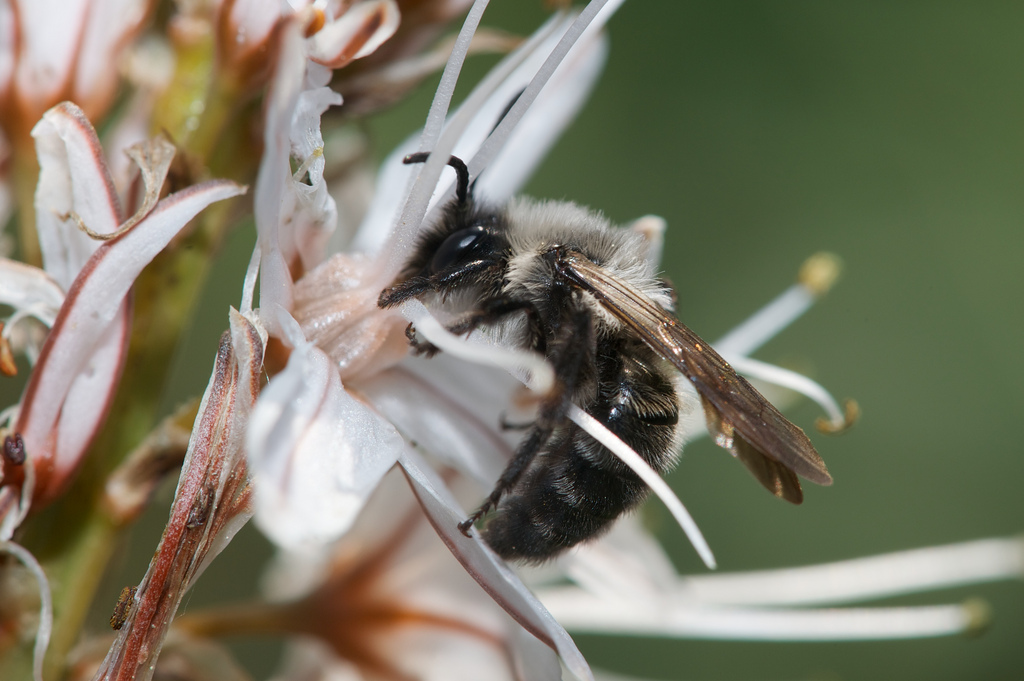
(529, 367)
(45, 605)
(785, 378)
(580, 611)
(591, 17)
(884, 576)
(746, 338)
(599, 432)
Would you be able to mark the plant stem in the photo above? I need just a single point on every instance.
(25, 175)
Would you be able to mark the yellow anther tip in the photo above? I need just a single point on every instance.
(979, 616)
(850, 416)
(820, 271)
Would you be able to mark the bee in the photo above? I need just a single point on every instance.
(559, 279)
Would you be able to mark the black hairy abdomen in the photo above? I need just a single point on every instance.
(575, 487)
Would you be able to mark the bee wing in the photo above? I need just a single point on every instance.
(739, 417)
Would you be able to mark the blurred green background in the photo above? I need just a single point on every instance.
(764, 132)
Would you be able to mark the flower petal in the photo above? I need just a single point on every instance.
(406, 217)
(309, 214)
(338, 313)
(212, 500)
(275, 177)
(656, 618)
(544, 122)
(872, 577)
(47, 48)
(487, 568)
(30, 291)
(627, 563)
(82, 355)
(583, 29)
(245, 25)
(733, 606)
(73, 178)
(316, 453)
(440, 422)
(358, 32)
(109, 25)
(439, 624)
(473, 121)
(88, 398)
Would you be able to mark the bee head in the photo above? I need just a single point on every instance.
(466, 247)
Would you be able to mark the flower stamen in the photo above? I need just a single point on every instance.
(817, 275)
(628, 456)
(7, 364)
(839, 419)
(45, 627)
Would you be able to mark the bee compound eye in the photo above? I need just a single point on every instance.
(460, 247)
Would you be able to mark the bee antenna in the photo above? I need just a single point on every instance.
(462, 190)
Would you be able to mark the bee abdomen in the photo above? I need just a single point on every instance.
(567, 500)
(575, 487)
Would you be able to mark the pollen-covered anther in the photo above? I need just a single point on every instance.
(14, 449)
(300, 174)
(979, 616)
(819, 272)
(851, 414)
(7, 365)
(314, 22)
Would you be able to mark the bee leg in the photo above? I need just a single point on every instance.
(575, 332)
(402, 291)
(443, 283)
(521, 460)
(494, 310)
(420, 347)
(505, 424)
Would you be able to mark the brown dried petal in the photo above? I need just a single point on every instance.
(211, 502)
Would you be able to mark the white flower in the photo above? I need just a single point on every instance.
(325, 431)
(44, 61)
(82, 296)
(78, 366)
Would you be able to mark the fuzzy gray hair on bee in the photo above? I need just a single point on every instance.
(560, 280)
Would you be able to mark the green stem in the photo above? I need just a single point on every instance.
(25, 176)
